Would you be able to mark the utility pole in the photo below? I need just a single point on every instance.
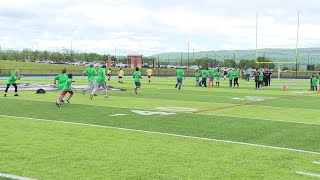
(181, 59)
(188, 53)
(297, 51)
(71, 51)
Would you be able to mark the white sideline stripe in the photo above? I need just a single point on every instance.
(121, 107)
(316, 163)
(166, 134)
(309, 174)
(14, 177)
(261, 119)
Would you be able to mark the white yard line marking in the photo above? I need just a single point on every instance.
(166, 134)
(261, 119)
(309, 174)
(115, 115)
(316, 163)
(219, 115)
(14, 177)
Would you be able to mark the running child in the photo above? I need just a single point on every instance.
(12, 81)
(149, 73)
(137, 77)
(66, 89)
(90, 72)
(109, 74)
(100, 82)
(61, 78)
(197, 75)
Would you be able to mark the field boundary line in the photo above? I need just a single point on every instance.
(316, 163)
(249, 103)
(14, 177)
(166, 134)
(308, 174)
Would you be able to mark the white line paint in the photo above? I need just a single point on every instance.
(316, 163)
(115, 115)
(261, 119)
(166, 134)
(14, 177)
(309, 174)
(220, 115)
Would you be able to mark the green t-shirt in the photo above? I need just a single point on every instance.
(137, 76)
(236, 74)
(91, 72)
(211, 73)
(61, 78)
(261, 76)
(179, 73)
(68, 84)
(13, 78)
(314, 81)
(204, 73)
(100, 76)
(218, 74)
(197, 75)
(231, 75)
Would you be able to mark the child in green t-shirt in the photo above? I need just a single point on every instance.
(314, 82)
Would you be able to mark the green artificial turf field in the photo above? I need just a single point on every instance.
(163, 133)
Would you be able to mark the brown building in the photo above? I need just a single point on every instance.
(135, 60)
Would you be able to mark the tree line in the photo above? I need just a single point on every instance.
(244, 63)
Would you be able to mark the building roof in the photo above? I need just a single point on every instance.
(134, 54)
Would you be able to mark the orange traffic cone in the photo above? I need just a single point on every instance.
(284, 88)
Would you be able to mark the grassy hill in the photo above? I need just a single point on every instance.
(311, 54)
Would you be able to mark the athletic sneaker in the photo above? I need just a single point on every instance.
(68, 101)
(91, 96)
(176, 85)
(106, 96)
(95, 95)
(16, 95)
(5, 95)
(58, 104)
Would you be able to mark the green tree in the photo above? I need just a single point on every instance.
(267, 65)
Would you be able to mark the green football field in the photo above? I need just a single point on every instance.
(163, 133)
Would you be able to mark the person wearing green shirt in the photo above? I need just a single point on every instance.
(61, 78)
(235, 78)
(260, 79)
(136, 78)
(66, 89)
(12, 81)
(314, 83)
(90, 72)
(230, 76)
(180, 76)
(211, 76)
(100, 82)
(204, 74)
(218, 76)
(197, 75)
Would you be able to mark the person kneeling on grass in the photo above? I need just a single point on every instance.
(66, 89)
(12, 81)
(137, 77)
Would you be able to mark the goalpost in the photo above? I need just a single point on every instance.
(279, 63)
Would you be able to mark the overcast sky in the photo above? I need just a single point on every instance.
(153, 26)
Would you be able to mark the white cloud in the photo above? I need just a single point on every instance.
(154, 26)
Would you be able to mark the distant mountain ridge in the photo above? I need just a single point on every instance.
(306, 55)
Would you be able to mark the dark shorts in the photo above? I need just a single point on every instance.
(149, 76)
(65, 92)
(137, 84)
(109, 74)
(120, 77)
